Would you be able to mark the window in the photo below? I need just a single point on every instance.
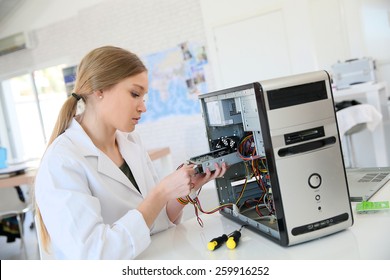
(51, 95)
(32, 103)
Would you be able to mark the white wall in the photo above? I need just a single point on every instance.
(376, 34)
(143, 26)
(36, 14)
(320, 32)
(220, 13)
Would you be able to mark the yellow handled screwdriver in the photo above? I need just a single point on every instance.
(233, 239)
(215, 243)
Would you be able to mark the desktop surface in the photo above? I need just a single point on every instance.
(367, 239)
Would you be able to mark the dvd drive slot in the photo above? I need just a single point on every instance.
(304, 135)
(307, 147)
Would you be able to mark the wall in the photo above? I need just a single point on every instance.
(36, 14)
(320, 32)
(295, 14)
(376, 34)
(143, 26)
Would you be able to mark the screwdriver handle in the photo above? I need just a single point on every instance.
(215, 243)
(233, 239)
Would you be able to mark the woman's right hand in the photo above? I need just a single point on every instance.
(178, 184)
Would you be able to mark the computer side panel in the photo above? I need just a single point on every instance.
(232, 124)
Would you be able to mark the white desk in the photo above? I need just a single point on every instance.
(376, 95)
(368, 238)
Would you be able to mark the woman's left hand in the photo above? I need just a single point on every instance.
(200, 179)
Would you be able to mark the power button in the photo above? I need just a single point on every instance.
(315, 180)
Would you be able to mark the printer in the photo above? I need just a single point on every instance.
(353, 71)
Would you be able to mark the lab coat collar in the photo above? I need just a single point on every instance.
(81, 139)
(104, 164)
(133, 154)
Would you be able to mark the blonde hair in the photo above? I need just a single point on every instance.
(100, 69)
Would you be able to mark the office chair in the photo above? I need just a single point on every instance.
(11, 205)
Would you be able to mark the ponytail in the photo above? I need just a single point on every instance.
(67, 112)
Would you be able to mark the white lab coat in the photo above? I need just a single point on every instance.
(87, 203)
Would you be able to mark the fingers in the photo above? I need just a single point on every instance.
(219, 170)
(223, 169)
(189, 169)
(188, 180)
(184, 179)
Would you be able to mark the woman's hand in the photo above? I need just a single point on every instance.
(200, 179)
(183, 180)
(179, 183)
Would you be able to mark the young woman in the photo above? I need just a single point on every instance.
(96, 191)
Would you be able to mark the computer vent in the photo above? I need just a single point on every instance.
(373, 177)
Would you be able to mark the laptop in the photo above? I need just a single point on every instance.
(364, 182)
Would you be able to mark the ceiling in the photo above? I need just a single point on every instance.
(7, 7)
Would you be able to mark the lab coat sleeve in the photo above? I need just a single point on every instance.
(73, 217)
(162, 222)
(158, 225)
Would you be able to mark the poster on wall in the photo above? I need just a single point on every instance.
(176, 78)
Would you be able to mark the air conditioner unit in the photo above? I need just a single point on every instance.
(13, 43)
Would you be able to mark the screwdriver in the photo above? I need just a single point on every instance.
(215, 243)
(233, 239)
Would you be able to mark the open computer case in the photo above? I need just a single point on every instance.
(286, 177)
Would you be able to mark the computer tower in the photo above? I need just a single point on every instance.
(286, 177)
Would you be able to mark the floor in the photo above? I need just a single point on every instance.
(14, 250)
